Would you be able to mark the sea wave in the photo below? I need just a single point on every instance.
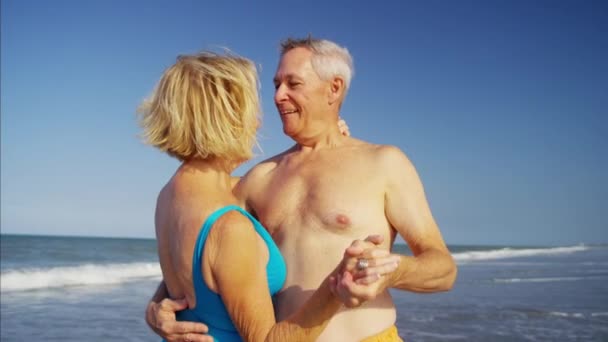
(82, 275)
(505, 253)
(537, 280)
(106, 274)
(599, 314)
(567, 314)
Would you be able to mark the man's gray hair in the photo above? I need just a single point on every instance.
(329, 59)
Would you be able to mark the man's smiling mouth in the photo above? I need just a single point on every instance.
(285, 112)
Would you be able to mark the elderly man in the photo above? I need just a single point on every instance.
(329, 189)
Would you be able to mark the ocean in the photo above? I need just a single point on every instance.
(96, 289)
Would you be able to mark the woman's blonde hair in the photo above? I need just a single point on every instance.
(205, 106)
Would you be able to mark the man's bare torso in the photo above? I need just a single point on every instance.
(315, 203)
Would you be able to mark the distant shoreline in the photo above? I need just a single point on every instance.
(459, 245)
(78, 236)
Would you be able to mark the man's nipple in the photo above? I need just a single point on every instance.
(342, 220)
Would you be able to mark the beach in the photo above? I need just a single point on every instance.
(96, 289)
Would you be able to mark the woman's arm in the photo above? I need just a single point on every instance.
(238, 258)
(238, 264)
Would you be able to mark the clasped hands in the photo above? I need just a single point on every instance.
(364, 272)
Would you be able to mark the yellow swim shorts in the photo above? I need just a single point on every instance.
(388, 335)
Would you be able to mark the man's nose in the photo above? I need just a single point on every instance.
(280, 94)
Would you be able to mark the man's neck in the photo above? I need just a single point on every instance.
(328, 139)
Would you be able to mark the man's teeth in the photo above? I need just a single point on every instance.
(289, 111)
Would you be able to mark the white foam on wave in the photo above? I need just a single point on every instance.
(599, 314)
(440, 336)
(83, 275)
(505, 253)
(537, 280)
(567, 314)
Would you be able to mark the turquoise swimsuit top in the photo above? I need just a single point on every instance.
(209, 306)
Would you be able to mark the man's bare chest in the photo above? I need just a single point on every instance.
(331, 199)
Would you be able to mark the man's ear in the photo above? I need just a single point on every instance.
(336, 90)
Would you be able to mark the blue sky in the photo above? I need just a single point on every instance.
(501, 105)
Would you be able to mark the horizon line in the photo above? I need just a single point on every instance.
(498, 245)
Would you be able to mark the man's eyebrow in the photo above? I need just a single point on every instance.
(288, 77)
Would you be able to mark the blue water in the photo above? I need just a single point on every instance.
(73, 289)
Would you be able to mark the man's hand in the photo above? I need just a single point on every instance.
(343, 127)
(353, 293)
(161, 318)
(363, 273)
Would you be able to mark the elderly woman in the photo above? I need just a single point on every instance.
(204, 112)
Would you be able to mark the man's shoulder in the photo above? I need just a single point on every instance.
(381, 151)
(274, 160)
(264, 167)
(391, 152)
(393, 158)
(387, 161)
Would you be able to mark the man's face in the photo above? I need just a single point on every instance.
(300, 95)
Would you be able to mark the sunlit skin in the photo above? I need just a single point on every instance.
(300, 97)
(328, 190)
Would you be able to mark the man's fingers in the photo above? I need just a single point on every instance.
(194, 338)
(357, 292)
(358, 246)
(370, 279)
(183, 327)
(162, 320)
(348, 283)
(151, 314)
(173, 304)
(354, 251)
(343, 127)
(345, 279)
(369, 260)
(380, 267)
(352, 293)
(375, 253)
(382, 264)
(375, 239)
(177, 330)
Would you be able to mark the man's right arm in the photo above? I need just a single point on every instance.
(160, 316)
(431, 268)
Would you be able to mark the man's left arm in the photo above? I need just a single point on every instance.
(431, 268)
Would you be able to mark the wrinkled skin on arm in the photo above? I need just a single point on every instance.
(431, 268)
